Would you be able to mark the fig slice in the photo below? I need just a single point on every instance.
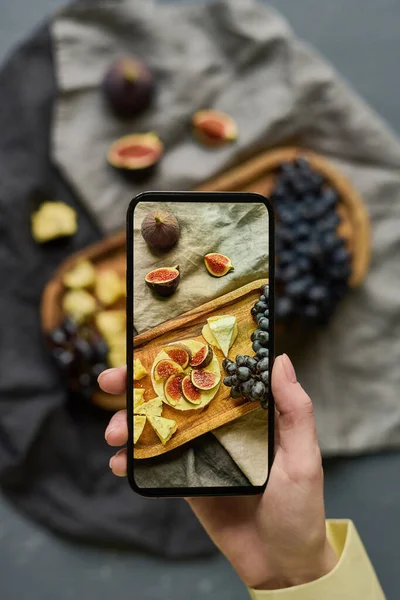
(165, 368)
(135, 153)
(214, 128)
(202, 358)
(164, 280)
(179, 353)
(218, 265)
(189, 391)
(204, 380)
(173, 388)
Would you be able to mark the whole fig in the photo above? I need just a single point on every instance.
(160, 229)
(128, 86)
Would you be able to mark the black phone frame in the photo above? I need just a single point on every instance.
(181, 196)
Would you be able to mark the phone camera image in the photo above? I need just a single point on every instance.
(201, 303)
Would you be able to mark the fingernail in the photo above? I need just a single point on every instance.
(111, 462)
(102, 374)
(109, 430)
(289, 369)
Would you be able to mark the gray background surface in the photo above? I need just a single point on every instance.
(361, 39)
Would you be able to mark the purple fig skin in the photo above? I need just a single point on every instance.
(128, 87)
(162, 288)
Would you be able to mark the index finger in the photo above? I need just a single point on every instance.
(113, 381)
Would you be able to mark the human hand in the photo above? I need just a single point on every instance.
(277, 539)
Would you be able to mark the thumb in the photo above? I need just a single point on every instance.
(296, 426)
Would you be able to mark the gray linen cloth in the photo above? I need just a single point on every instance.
(243, 58)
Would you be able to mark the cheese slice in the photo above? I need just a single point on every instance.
(210, 338)
(138, 369)
(138, 426)
(138, 399)
(111, 324)
(164, 428)
(223, 330)
(151, 408)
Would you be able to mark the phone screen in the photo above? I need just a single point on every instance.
(200, 343)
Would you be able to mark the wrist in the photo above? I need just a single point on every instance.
(301, 573)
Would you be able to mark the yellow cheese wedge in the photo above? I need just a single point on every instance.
(111, 324)
(138, 426)
(79, 305)
(222, 328)
(138, 399)
(138, 370)
(82, 275)
(108, 287)
(151, 408)
(53, 220)
(210, 338)
(164, 428)
(117, 356)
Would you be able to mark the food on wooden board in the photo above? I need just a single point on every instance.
(179, 353)
(139, 421)
(111, 324)
(138, 398)
(136, 154)
(108, 287)
(81, 275)
(221, 331)
(214, 128)
(190, 392)
(53, 220)
(164, 428)
(151, 407)
(218, 265)
(139, 370)
(173, 388)
(248, 376)
(202, 357)
(203, 379)
(160, 229)
(79, 305)
(164, 280)
(165, 368)
(313, 263)
(128, 86)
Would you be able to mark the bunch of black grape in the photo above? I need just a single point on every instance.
(248, 376)
(313, 264)
(80, 352)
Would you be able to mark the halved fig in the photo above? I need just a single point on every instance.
(190, 393)
(173, 388)
(202, 358)
(165, 368)
(164, 280)
(204, 380)
(214, 128)
(218, 264)
(179, 353)
(136, 154)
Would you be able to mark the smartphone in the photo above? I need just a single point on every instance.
(200, 343)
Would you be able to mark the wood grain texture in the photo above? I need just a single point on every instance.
(222, 408)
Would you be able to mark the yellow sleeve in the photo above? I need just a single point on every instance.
(353, 577)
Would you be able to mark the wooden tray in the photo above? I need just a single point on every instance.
(256, 175)
(222, 408)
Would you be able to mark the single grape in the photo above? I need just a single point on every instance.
(341, 255)
(254, 312)
(258, 390)
(64, 358)
(70, 326)
(262, 298)
(225, 362)
(265, 290)
(263, 337)
(57, 336)
(240, 360)
(83, 349)
(263, 365)
(235, 392)
(261, 306)
(246, 388)
(284, 307)
(243, 373)
(263, 324)
(262, 353)
(264, 377)
(251, 363)
(318, 293)
(234, 380)
(266, 313)
(256, 346)
(230, 368)
(259, 316)
(227, 381)
(254, 335)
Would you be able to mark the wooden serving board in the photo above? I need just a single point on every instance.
(222, 409)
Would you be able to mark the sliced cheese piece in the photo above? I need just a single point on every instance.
(164, 428)
(117, 356)
(210, 338)
(79, 305)
(138, 425)
(138, 399)
(108, 287)
(138, 369)
(111, 324)
(222, 328)
(82, 275)
(151, 408)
